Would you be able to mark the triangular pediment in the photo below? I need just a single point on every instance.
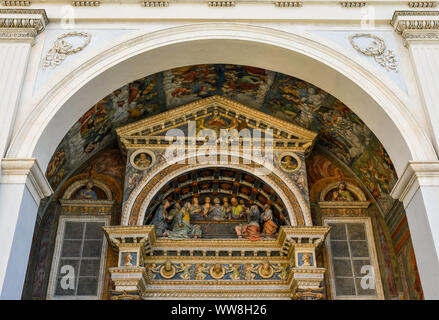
(215, 113)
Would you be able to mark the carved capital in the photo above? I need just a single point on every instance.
(416, 25)
(416, 174)
(26, 171)
(22, 24)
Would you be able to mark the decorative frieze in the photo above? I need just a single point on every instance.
(86, 3)
(221, 3)
(22, 24)
(416, 25)
(353, 4)
(153, 4)
(287, 4)
(12, 3)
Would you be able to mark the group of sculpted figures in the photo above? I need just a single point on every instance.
(176, 223)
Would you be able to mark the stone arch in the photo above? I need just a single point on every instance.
(378, 102)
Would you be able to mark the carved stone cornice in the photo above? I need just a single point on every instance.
(22, 24)
(221, 3)
(26, 171)
(353, 4)
(422, 4)
(288, 4)
(86, 3)
(154, 4)
(416, 25)
(15, 3)
(416, 174)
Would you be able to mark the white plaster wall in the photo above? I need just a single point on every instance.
(17, 223)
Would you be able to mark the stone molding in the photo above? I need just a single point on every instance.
(22, 24)
(353, 4)
(416, 25)
(26, 171)
(422, 4)
(15, 3)
(416, 174)
(86, 3)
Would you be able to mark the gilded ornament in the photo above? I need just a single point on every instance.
(265, 270)
(217, 271)
(167, 270)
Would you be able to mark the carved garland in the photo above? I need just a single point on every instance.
(385, 58)
(61, 48)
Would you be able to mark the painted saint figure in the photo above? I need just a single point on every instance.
(195, 210)
(289, 163)
(237, 210)
(160, 219)
(269, 227)
(182, 227)
(342, 194)
(226, 207)
(87, 193)
(207, 207)
(143, 161)
(250, 231)
(217, 212)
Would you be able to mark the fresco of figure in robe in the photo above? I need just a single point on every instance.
(87, 193)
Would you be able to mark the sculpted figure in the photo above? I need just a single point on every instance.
(160, 219)
(195, 210)
(87, 193)
(207, 207)
(269, 227)
(237, 209)
(226, 207)
(217, 211)
(182, 228)
(342, 194)
(250, 231)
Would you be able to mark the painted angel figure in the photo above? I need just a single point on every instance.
(235, 270)
(200, 271)
(282, 269)
(249, 271)
(185, 271)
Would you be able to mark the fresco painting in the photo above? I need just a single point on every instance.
(340, 131)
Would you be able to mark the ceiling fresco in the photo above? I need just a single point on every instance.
(341, 131)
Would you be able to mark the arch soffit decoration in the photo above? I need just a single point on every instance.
(156, 171)
(388, 101)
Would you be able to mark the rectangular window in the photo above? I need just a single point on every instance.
(79, 259)
(352, 262)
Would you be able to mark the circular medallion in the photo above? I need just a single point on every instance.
(265, 270)
(289, 162)
(167, 270)
(217, 271)
(142, 159)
